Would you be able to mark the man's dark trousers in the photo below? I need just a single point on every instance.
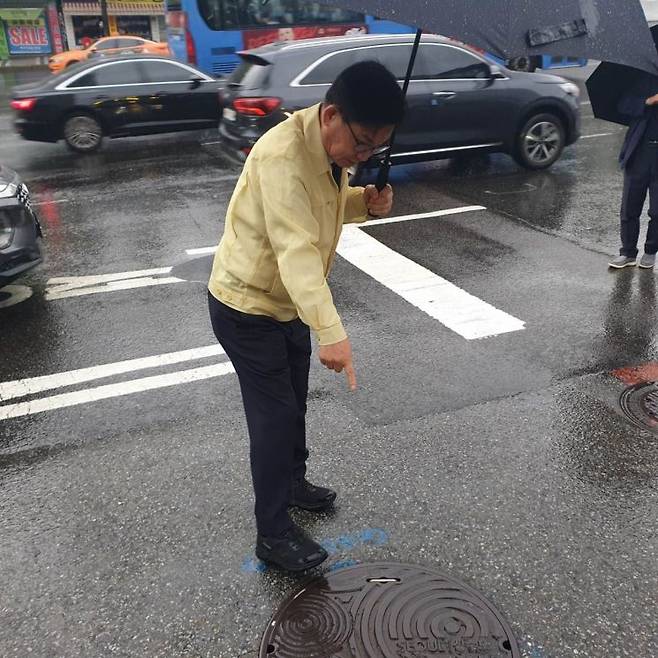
(272, 361)
(641, 175)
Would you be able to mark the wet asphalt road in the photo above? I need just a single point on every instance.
(504, 461)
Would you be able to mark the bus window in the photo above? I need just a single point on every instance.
(237, 14)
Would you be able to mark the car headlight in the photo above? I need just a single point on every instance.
(6, 229)
(570, 88)
(8, 191)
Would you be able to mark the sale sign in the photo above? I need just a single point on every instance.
(29, 37)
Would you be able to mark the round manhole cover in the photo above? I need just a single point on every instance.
(386, 610)
(640, 404)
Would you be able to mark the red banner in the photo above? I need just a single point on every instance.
(263, 36)
(53, 24)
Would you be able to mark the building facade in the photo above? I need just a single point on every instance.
(142, 18)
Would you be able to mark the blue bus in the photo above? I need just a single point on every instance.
(210, 33)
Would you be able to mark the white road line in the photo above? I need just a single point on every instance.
(21, 387)
(113, 390)
(599, 135)
(455, 308)
(113, 286)
(201, 250)
(15, 294)
(52, 201)
(424, 215)
(75, 281)
(371, 222)
(75, 286)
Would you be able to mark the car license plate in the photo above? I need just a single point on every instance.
(229, 114)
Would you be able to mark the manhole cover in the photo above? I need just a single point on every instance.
(640, 404)
(387, 610)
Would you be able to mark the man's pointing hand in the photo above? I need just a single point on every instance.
(338, 357)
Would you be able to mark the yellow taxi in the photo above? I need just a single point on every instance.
(106, 46)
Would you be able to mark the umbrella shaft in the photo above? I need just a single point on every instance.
(412, 60)
(382, 176)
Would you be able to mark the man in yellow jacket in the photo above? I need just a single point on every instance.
(269, 286)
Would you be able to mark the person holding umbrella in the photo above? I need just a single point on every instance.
(268, 286)
(639, 159)
(628, 95)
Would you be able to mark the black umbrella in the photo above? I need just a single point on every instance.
(607, 30)
(604, 30)
(610, 82)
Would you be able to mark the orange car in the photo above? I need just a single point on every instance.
(107, 46)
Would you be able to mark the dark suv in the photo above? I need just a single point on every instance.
(19, 228)
(458, 101)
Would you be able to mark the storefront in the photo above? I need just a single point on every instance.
(29, 30)
(83, 22)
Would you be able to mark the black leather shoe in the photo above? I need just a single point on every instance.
(291, 551)
(309, 497)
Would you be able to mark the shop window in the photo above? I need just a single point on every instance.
(87, 29)
(135, 26)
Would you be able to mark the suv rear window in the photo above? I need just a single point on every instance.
(251, 72)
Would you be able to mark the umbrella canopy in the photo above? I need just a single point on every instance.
(610, 82)
(605, 30)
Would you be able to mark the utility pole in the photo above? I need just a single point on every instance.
(106, 18)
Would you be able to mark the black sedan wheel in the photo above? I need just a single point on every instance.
(540, 142)
(82, 133)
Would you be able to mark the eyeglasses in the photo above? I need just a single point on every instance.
(362, 148)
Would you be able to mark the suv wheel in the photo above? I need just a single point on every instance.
(540, 141)
(82, 133)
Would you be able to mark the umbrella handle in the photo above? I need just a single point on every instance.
(382, 174)
(385, 167)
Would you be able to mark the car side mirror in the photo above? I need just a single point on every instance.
(195, 82)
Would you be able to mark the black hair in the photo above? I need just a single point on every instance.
(367, 93)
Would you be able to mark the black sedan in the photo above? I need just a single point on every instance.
(459, 102)
(19, 228)
(116, 97)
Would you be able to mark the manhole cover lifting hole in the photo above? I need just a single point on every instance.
(640, 404)
(387, 610)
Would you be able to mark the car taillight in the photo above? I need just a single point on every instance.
(256, 107)
(23, 104)
(190, 49)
